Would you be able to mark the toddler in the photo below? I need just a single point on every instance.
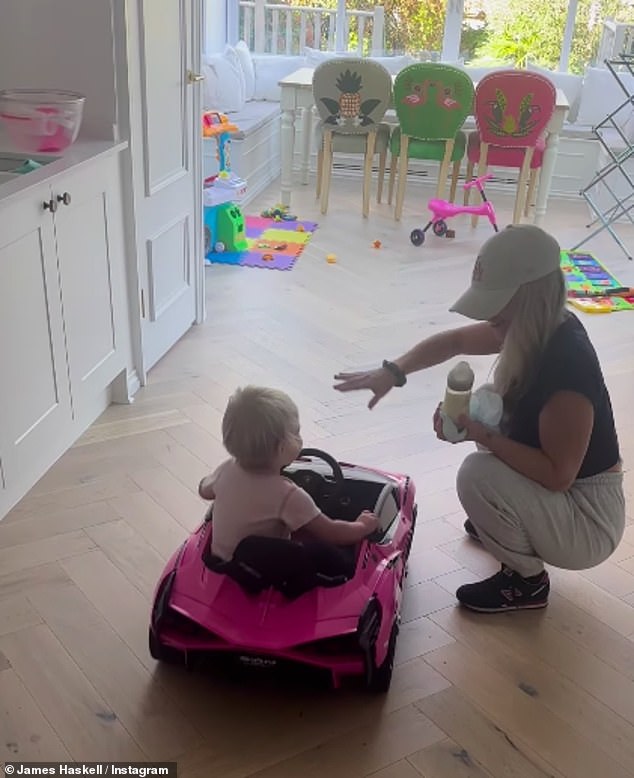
(260, 431)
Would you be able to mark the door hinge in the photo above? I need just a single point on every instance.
(142, 303)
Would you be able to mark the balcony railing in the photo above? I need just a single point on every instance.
(273, 28)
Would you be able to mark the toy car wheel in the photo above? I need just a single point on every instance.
(417, 237)
(440, 228)
(162, 653)
(381, 676)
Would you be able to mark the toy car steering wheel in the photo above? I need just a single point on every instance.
(322, 490)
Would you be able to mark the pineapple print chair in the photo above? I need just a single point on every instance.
(432, 102)
(351, 96)
(512, 111)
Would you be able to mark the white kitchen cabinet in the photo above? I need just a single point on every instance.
(35, 405)
(62, 320)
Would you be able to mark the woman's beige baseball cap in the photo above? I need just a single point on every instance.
(511, 258)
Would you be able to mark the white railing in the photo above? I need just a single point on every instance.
(273, 28)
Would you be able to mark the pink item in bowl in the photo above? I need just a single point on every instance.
(44, 121)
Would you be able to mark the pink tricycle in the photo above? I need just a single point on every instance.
(443, 210)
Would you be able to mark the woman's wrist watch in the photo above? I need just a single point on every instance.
(400, 379)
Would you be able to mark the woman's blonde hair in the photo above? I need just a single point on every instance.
(538, 309)
(256, 422)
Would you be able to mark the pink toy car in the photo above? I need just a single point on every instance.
(268, 608)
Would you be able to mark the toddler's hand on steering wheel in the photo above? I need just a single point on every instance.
(369, 521)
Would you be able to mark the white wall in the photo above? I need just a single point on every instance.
(216, 24)
(63, 44)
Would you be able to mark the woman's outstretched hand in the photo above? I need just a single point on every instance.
(378, 381)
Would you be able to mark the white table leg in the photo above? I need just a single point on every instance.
(288, 144)
(307, 131)
(546, 177)
(548, 163)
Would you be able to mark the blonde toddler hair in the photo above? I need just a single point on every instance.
(256, 422)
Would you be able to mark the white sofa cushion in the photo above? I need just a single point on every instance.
(601, 95)
(248, 69)
(270, 69)
(569, 83)
(254, 115)
(224, 88)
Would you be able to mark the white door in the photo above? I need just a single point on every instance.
(167, 152)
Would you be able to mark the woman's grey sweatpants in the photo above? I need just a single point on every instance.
(523, 525)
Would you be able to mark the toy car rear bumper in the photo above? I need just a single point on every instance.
(338, 664)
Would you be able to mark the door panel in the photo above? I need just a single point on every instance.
(164, 54)
(169, 279)
(86, 268)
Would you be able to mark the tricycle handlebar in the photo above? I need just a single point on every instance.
(477, 181)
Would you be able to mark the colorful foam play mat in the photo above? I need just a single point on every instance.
(264, 243)
(591, 286)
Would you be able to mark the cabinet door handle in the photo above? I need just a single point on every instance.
(65, 198)
(51, 205)
(194, 78)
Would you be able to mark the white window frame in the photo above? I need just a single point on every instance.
(452, 31)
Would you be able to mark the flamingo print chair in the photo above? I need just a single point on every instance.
(512, 111)
(432, 102)
(351, 96)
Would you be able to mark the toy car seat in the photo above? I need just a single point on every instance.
(285, 565)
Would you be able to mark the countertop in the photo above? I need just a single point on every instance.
(82, 152)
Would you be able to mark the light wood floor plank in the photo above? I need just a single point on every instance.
(522, 717)
(15, 614)
(19, 558)
(126, 686)
(596, 722)
(26, 734)
(447, 758)
(79, 715)
(480, 739)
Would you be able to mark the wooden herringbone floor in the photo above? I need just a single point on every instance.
(525, 695)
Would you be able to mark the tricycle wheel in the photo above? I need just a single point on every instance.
(162, 653)
(380, 677)
(417, 237)
(440, 228)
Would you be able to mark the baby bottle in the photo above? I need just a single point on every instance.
(458, 393)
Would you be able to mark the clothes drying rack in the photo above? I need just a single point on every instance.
(622, 203)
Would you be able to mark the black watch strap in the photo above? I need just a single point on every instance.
(395, 370)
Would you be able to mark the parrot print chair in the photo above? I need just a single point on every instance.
(432, 102)
(351, 96)
(512, 112)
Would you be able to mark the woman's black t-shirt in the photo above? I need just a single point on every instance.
(569, 363)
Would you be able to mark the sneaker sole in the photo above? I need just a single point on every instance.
(535, 606)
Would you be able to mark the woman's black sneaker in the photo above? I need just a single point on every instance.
(506, 591)
(471, 531)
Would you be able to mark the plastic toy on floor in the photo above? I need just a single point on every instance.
(278, 213)
(443, 210)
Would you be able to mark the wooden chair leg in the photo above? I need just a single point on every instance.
(444, 168)
(327, 171)
(454, 181)
(320, 169)
(390, 190)
(469, 176)
(532, 187)
(382, 163)
(370, 142)
(482, 169)
(402, 177)
(522, 184)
